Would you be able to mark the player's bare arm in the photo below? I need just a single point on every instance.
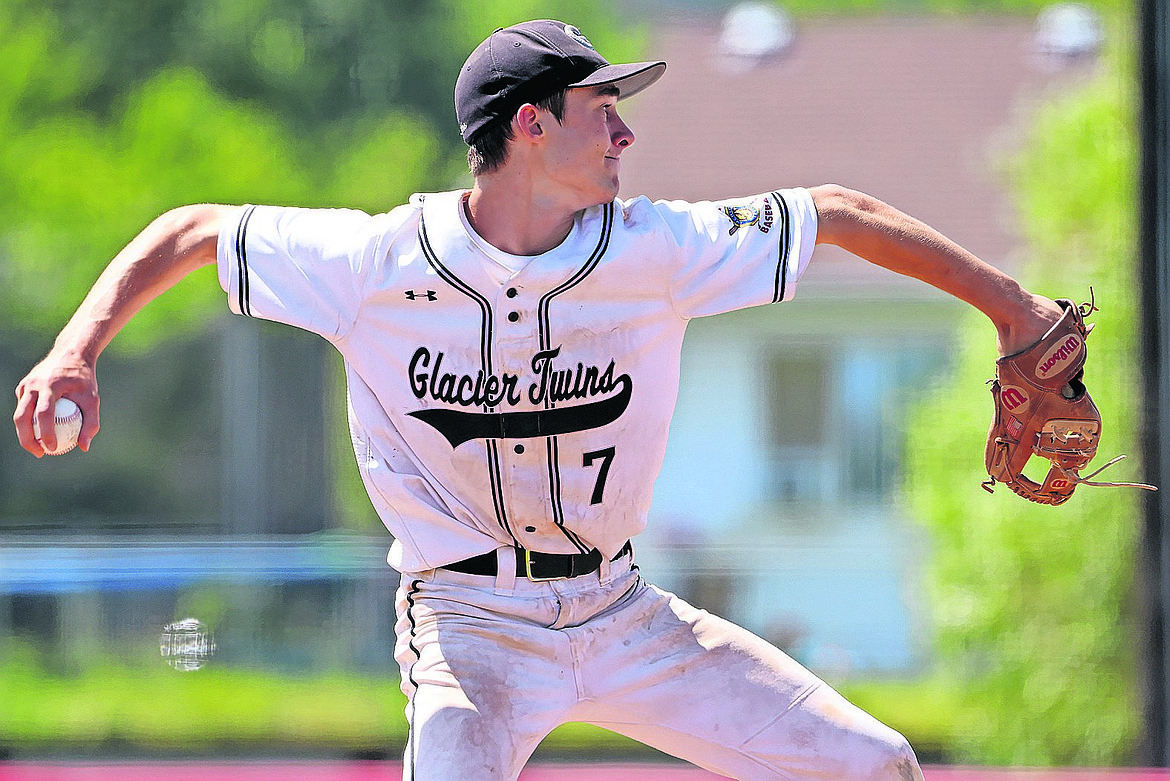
(170, 248)
(879, 233)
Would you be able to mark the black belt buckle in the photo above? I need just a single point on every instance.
(534, 578)
(563, 565)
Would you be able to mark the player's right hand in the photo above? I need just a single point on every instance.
(59, 374)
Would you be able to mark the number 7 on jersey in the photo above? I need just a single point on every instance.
(606, 456)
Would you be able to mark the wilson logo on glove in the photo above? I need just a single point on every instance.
(1013, 398)
(1058, 357)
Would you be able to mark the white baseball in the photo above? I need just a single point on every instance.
(186, 645)
(66, 424)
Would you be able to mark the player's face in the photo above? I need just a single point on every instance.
(583, 156)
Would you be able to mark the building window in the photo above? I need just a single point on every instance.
(799, 394)
(836, 418)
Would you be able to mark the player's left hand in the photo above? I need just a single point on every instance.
(1026, 325)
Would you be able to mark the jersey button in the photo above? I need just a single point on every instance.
(513, 317)
(519, 449)
(530, 529)
(511, 292)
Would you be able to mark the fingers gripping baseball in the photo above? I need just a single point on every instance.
(53, 379)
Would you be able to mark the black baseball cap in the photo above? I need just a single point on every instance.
(528, 62)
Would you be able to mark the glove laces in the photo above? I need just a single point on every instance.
(1086, 481)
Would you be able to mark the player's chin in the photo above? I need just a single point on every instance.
(601, 190)
(610, 188)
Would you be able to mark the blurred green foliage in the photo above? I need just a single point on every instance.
(151, 707)
(77, 186)
(1033, 604)
(928, 711)
(314, 62)
(143, 707)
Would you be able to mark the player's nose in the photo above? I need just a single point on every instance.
(620, 134)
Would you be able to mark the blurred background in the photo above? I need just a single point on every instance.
(822, 482)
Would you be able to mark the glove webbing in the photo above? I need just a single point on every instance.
(1002, 443)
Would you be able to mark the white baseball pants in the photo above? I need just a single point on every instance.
(491, 665)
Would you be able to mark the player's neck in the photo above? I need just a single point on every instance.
(517, 218)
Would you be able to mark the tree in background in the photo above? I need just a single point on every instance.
(314, 62)
(1033, 604)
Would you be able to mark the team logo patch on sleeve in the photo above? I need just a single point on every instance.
(744, 215)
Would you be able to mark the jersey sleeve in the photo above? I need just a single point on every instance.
(302, 267)
(740, 252)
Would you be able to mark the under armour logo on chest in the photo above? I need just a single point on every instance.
(430, 295)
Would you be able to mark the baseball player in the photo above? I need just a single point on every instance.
(512, 359)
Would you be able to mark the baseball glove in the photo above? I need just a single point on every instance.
(1042, 407)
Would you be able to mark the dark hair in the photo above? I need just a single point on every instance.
(489, 150)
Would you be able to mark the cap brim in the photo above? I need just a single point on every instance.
(630, 79)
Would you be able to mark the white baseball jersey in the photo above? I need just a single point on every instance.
(497, 400)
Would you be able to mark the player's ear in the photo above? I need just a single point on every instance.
(527, 123)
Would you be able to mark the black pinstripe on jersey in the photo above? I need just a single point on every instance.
(497, 485)
(242, 261)
(545, 333)
(785, 242)
(485, 346)
(411, 735)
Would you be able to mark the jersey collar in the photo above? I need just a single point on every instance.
(450, 242)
